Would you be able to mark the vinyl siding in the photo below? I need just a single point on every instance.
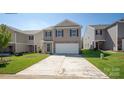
(89, 37)
(66, 36)
(100, 37)
(111, 38)
(21, 38)
(121, 30)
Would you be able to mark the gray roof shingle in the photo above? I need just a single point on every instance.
(100, 26)
(49, 28)
(23, 31)
(15, 29)
(31, 32)
(66, 23)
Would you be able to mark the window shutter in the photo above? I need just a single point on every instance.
(50, 33)
(32, 37)
(70, 33)
(100, 32)
(77, 33)
(56, 33)
(62, 33)
(96, 32)
(46, 34)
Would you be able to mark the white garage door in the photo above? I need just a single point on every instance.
(123, 44)
(67, 48)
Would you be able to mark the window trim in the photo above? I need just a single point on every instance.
(72, 33)
(31, 37)
(59, 33)
(48, 33)
(98, 32)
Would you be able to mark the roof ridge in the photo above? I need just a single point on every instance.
(67, 22)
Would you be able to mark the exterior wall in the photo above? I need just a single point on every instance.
(21, 48)
(100, 37)
(45, 47)
(122, 44)
(21, 38)
(12, 35)
(111, 38)
(66, 36)
(89, 37)
(48, 38)
(121, 30)
(22, 42)
(120, 35)
(38, 38)
(30, 42)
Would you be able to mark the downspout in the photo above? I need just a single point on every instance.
(94, 39)
(15, 42)
(34, 43)
(117, 37)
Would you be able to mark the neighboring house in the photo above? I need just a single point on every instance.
(104, 37)
(82, 42)
(65, 37)
(22, 41)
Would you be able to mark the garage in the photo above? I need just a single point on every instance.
(122, 44)
(67, 48)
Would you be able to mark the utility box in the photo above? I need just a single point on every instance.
(101, 55)
(122, 44)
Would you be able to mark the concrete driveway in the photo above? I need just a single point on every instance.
(64, 66)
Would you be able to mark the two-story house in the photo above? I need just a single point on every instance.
(63, 38)
(94, 37)
(105, 37)
(22, 41)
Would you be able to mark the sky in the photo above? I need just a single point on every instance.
(36, 21)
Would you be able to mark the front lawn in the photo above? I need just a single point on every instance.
(18, 63)
(112, 64)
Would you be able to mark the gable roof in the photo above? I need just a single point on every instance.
(66, 23)
(100, 26)
(119, 21)
(15, 29)
(28, 32)
(31, 32)
(48, 28)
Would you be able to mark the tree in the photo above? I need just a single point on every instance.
(5, 37)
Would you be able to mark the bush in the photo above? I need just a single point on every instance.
(18, 54)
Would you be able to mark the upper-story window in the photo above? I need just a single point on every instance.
(31, 37)
(59, 33)
(98, 32)
(48, 34)
(73, 32)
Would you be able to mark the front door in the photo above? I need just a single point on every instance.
(48, 48)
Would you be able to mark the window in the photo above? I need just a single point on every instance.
(98, 32)
(48, 34)
(59, 33)
(48, 47)
(31, 37)
(73, 32)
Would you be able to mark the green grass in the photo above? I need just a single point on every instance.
(112, 64)
(18, 63)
